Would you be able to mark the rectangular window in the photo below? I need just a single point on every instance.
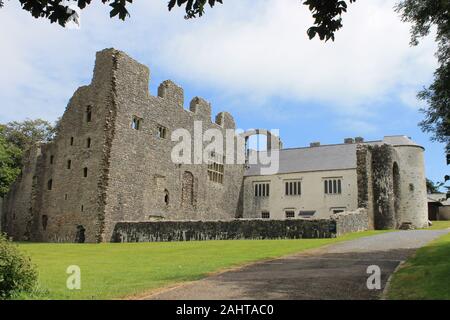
(265, 215)
(136, 123)
(51, 159)
(71, 141)
(290, 214)
(333, 186)
(215, 168)
(262, 189)
(162, 132)
(293, 188)
(69, 164)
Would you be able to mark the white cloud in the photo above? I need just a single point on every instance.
(249, 51)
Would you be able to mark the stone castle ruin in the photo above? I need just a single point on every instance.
(110, 165)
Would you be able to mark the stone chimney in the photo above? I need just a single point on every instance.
(314, 144)
(348, 140)
(359, 139)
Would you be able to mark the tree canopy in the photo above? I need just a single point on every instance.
(15, 138)
(326, 13)
(427, 16)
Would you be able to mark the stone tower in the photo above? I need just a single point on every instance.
(391, 183)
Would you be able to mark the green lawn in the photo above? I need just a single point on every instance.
(115, 270)
(439, 225)
(426, 275)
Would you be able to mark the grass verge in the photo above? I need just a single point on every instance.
(426, 275)
(116, 270)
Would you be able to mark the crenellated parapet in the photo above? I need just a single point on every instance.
(170, 91)
(225, 120)
(201, 108)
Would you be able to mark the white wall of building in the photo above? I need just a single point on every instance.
(312, 198)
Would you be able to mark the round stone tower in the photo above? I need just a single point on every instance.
(410, 191)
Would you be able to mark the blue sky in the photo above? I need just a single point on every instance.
(251, 58)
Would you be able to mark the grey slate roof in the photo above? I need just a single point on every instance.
(324, 157)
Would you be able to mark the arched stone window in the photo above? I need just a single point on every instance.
(187, 192)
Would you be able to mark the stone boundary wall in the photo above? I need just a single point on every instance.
(352, 221)
(163, 231)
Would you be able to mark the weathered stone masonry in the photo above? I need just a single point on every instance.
(109, 174)
(99, 170)
(240, 229)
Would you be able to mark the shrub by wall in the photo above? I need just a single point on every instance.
(17, 273)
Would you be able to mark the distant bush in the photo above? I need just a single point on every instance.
(17, 274)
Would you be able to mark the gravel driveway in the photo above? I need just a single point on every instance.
(337, 271)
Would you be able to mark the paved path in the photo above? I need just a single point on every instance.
(333, 272)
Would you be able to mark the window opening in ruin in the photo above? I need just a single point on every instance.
(88, 142)
(85, 172)
(69, 164)
(44, 222)
(88, 114)
(166, 197)
(71, 141)
(49, 184)
(162, 132)
(52, 158)
(80, 234)
(136, 123)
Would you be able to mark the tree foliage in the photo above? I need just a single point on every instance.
(426, 16)
(15, 138)
(10, 156)
(326, 13)
(433, 187)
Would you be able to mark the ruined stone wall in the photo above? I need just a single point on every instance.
(364, 181)
(19, 206)
(222, 230)
(74, 163)
(352, 221)
(144, 183)
(102, 171)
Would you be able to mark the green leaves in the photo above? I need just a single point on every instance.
(193, 8)
(327, 17)
(56, 11)
(424, 15)
(326, 13)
